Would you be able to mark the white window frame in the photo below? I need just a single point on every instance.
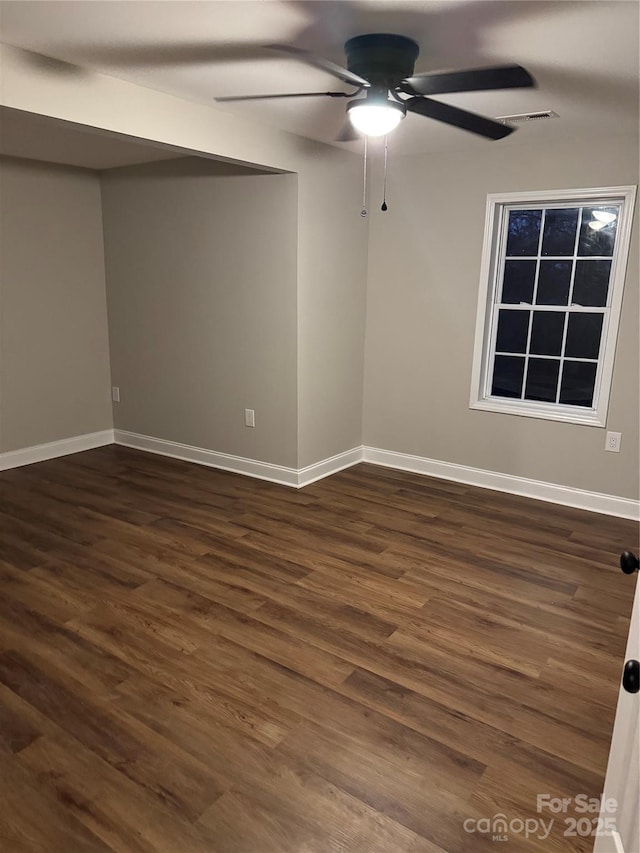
(498, 205)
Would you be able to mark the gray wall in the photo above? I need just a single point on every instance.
(201, 281)
(332, 284)
(54, 346)
(424, 262)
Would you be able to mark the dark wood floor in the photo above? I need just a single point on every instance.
(197, 662)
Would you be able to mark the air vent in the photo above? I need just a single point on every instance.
(520, 117)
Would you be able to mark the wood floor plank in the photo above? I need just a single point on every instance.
(31, 818)
(424, 807)
(193, 661)
(178, 779)
(34, 591)
(29, 631)
(91, 492)
(18, 728)
(213, 705)
(122, 814)
(476, 739)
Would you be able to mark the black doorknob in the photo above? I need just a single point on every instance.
(629, 562)
(631, 676)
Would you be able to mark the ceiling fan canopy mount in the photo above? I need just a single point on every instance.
(382, 58)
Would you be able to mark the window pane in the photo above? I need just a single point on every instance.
(598, 230)
(560, 227)
(507, 376)
(554, 280)
(513, 327)
(578, 382)
(524, 232)
(542, 379)
(546, 334)
(591, 285)
(583, 335)
(517, 285)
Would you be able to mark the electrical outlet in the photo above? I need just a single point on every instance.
(249, 418)
(613, 441)
(115, 394)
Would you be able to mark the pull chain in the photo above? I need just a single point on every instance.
(363, 212)
(384, 186)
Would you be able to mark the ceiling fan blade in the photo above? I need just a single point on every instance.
(320, 62)
(347, 133)
(470, 80)
(458, 118)
(287, 95)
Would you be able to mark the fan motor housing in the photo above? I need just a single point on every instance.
(382, 57)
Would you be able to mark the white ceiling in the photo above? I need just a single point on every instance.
(584, 56)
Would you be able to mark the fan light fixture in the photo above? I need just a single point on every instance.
(604, 216)
(375, 117)
(381, 69)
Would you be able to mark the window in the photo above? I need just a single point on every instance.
(551, 286)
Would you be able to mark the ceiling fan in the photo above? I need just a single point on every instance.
(380, 66)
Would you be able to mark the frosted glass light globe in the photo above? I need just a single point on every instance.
(375, 119)
(604, 216)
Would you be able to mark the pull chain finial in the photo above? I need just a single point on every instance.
(384, 207)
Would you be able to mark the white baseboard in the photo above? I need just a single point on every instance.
(225, 461)
(239, 464)
(329, 466)
(550, 492)
(53, 449)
